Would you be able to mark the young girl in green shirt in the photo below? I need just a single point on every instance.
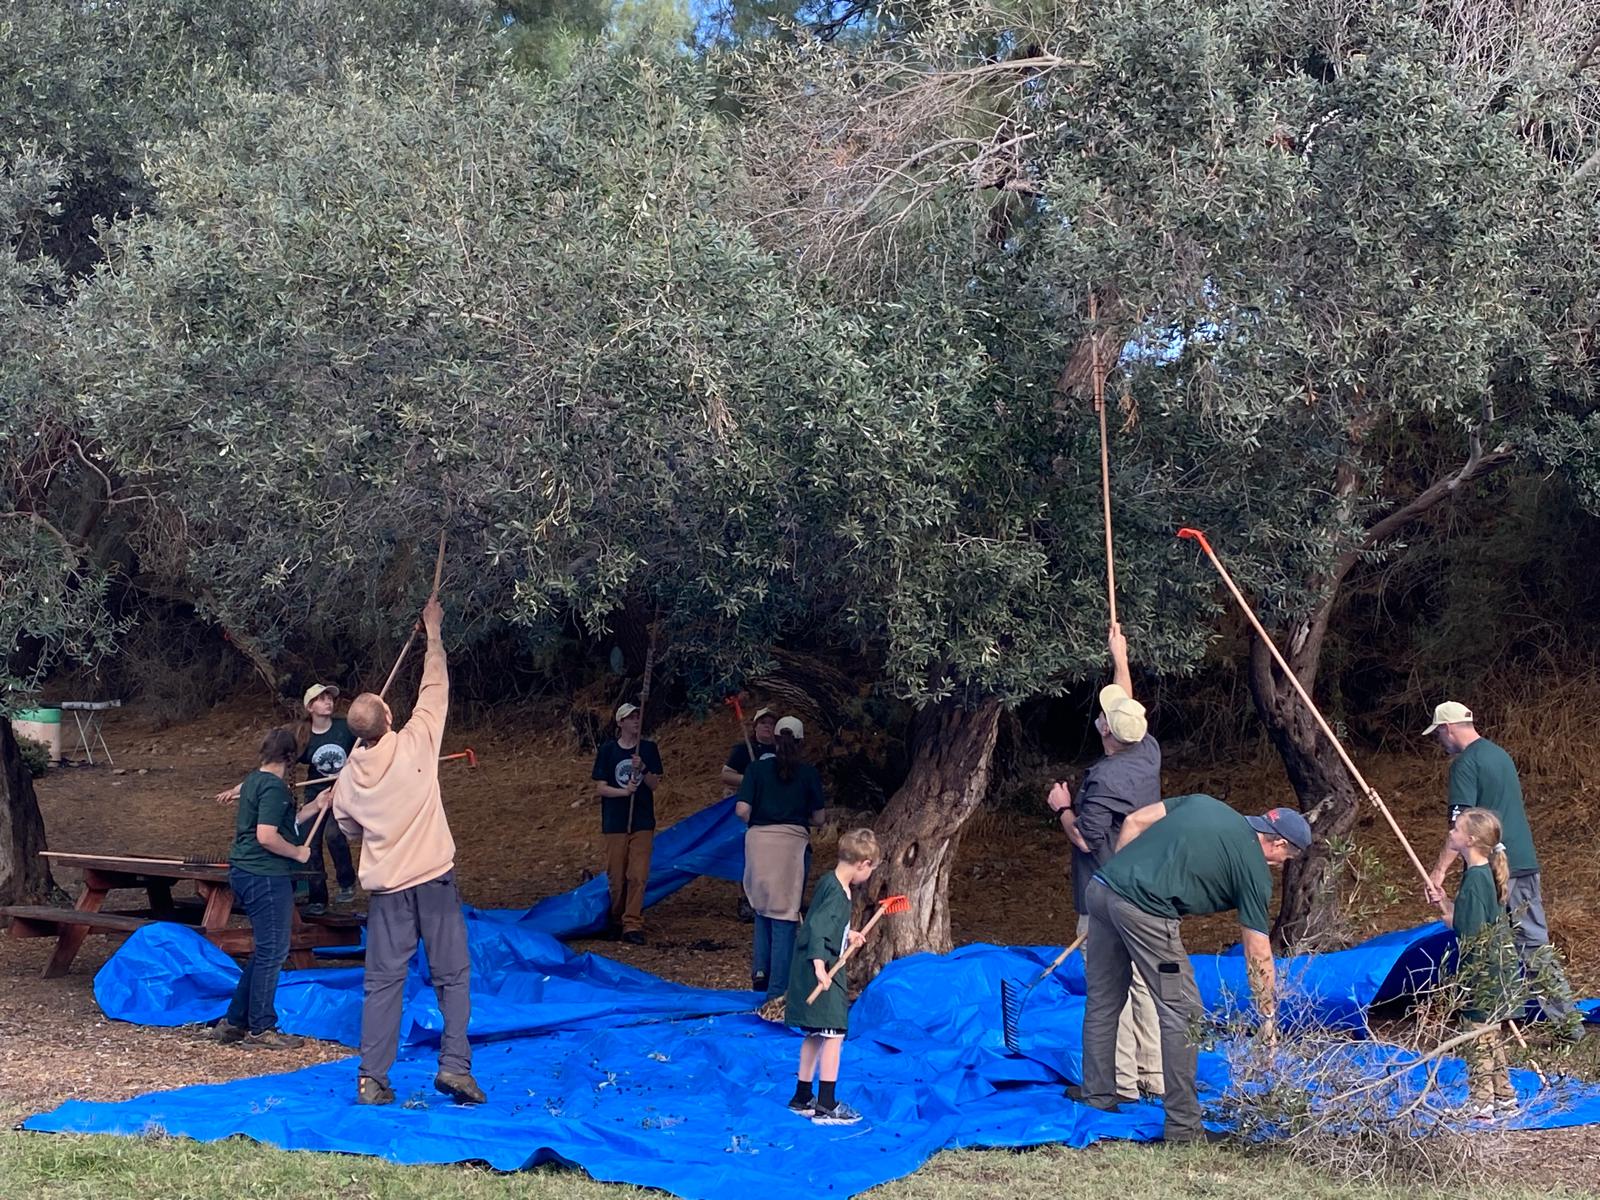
(1487, 959)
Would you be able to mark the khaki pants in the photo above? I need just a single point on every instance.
(627, 871)
(1138, 1035)
(1488, 1071)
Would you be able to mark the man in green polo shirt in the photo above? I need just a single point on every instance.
(1482, 775)
(1187, 856)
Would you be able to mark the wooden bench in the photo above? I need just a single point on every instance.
(44, 920)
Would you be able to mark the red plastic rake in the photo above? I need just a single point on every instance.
(889, 904)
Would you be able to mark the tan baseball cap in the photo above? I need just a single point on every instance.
(1124, 715)
(318, 689)
(1449, 713)
(763, 712)
(626, 710)
(793, 727)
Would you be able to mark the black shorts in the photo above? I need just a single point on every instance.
(808, 1031)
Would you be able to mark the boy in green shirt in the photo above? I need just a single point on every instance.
(824, 936)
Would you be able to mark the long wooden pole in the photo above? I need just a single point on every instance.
(1105, 454)
(438, 574)
(1294, 681)
(438, 571)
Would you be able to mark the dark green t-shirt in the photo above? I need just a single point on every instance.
(1487, 954)
(1483, 776)
(821, 936)
(1202, 857)
(774, 802)
(263, 800)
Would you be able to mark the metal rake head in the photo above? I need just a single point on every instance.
(1011, 995)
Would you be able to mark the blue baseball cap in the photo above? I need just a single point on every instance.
(1284, 823)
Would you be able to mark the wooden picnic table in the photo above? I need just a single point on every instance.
(105, 873)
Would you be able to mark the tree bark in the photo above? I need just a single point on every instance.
(1307, 918)
(24, 876)
(920, 829)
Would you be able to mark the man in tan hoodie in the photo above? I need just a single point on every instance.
(389, 793)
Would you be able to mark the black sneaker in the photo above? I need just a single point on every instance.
(840, 1114)
(316, 910)
(803, 1108)
(758, 983)
(227, 1032)
(633, 937)
(271, 1039)
(461, 1088)
(345, 896)
(370, 1091)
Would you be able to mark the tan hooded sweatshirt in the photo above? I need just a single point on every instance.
(389, 793)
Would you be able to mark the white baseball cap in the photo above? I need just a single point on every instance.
(318, 689)
(793, 727)
(625, 711)
(1449, 713)
(1124, 715)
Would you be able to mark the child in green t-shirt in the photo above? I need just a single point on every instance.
(1487, 959)
(824, 936)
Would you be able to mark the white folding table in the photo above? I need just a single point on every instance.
(87, 715)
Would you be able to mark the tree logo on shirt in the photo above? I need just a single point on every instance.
(328, 759)
(624, 772)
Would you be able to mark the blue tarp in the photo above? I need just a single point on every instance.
(642, 1081)
(638, 1080)
(711, 842)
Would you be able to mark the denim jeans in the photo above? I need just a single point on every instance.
(772, 952)
(344, 867)
(268, 900)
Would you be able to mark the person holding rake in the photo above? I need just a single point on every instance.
(627, 770)
(824, 936)
(388, 792)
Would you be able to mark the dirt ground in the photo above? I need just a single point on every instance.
(526, 827)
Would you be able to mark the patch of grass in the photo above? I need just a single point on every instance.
(64, 1167)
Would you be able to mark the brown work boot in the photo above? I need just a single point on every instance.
(271, 1039)
(370, 1091)
(463, 1089)
(226, 1032)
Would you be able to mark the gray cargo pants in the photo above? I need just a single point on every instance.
(1531, 933)
(1123, 938)
(395, 921)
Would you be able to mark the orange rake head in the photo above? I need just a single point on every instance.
(894, 904)
(1194, 535)
(736, 702)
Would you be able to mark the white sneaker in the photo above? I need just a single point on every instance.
(840, 1114)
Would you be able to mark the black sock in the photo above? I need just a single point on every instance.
(825, 1093)
(802, 1092)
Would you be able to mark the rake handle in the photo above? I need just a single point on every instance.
(438, 572)
(1061, 958)
(1105, 454)
(738, 712)
(845, 957)
(1294, 681)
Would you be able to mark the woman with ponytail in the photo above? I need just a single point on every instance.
(1487, 966)
(780, 799)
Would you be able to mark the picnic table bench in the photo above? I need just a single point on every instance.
(105, 873)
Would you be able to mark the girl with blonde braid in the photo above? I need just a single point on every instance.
(1487, 966)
